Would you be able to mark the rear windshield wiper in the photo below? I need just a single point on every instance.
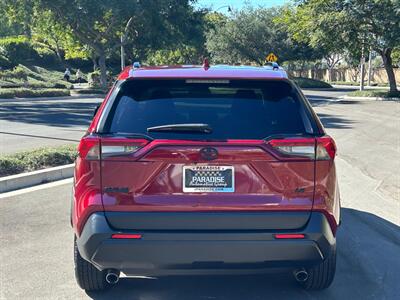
(182, 128)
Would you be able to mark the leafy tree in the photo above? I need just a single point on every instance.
(313, 31)
(339, 24)
(247, 38)
(101, 23)
(96, 23)
(49, 34)
(250, 35)
(18, 14)
(180, 56)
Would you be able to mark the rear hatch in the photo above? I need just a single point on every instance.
(207, 155)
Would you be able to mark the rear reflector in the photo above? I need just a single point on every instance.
(289, 236)
(127, 236)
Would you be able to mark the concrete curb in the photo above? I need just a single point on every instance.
(345, 97)
(24, 180)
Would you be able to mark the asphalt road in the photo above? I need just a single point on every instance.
(36, 240)
(29, 124)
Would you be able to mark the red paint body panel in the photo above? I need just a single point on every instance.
(87, 192)
(327, 197)
(152, 176)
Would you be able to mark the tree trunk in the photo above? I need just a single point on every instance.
(330, 68)
(387, 62)
(95, 65)
(59, 56)
(103, 70)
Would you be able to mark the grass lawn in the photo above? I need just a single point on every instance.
(352, 83)
(375, 93)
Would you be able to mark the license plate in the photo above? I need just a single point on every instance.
(203, 179)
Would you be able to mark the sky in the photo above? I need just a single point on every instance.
(238, 4)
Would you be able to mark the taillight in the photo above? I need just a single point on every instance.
(94, 148)
(295, 147)
(322, 148)
(326, 148)
(120, 146)
(89, 148)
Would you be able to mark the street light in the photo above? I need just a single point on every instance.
(124, 36)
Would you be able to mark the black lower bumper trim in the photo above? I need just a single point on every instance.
(201, 252)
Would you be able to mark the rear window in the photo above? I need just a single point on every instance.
(234, 109)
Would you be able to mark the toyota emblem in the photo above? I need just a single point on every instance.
(209, 153)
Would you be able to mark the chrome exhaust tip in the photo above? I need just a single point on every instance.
(301, 275)
(112, 277)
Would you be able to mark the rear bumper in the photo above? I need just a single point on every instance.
(203, 252)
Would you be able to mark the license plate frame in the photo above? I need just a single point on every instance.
(208, 179)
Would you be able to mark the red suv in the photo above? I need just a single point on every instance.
(205, 170)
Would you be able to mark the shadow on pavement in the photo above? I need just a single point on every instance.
(63, 114)
(333, 121)
(368, 268)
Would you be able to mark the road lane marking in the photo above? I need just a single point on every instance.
(36, 188)
(38, 136)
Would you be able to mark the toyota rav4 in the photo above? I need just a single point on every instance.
(205, 170)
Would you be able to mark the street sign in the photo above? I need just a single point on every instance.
(271, 57)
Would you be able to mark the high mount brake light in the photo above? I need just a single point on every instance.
(91, 148)
(322, 148)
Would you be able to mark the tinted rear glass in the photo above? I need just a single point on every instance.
(234, 109)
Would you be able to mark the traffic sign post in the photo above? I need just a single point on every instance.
(271, 57)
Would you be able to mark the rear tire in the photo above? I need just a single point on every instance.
(321, 276)
(87, 276)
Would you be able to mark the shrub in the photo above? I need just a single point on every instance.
(94, 79)
(7, 93)
(310, 83)
(28, 93)
(4, 62)
(375, 93)
(17, 49)
(37, 159)
(10, 165)
(91, 91)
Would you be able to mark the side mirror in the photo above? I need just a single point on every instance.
(96, 109)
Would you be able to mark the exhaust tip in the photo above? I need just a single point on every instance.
(301, 275)
(112, 277)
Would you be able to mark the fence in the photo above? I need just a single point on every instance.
(378, 75)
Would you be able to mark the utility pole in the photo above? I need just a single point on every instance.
(122, 53)
(369, 66)
(123, 40)
(362, 70)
